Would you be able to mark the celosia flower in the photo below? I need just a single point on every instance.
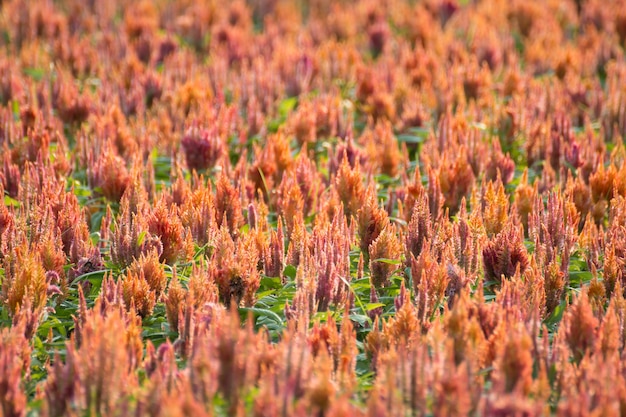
(25, 278)
(346, 150)
(73, 228)
(381, 106)
(275, 254)
(197, 214)
(71, 106)
(504, 254)
(7, 223)
(495, 208)
(613, 269)
(597, 295)
(50, 251)
(165, 224)
(108, 175)
(610, 334)
(153, 88)
(349, 187)
(203, 147)
(85, 265)
(514, 366)
(467, 240)
(378, 34)
(202, 287)
(371, 220)
(554, 286)
(309, 181)
(500, 165)
(131, 237)
(430, 280)
(234, 268)
(10, 177)
(153, 271)
(322, 390)
(375, 312)
(464, 332)
(456, 179)
(384, 253)
(382, 148)
(290, 202)
(452, 392)
(228, 206)
(174, 302)
(109, 354)
(303, 124)
(137, 293)
(298, 242)
(525, 196)
(580, 327)
(329, 262)
(14, 361)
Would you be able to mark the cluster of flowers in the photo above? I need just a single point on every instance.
(439, 189)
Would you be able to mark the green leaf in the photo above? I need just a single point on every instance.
(35, 73)
(580, 277)
(361, 319)
(91, 276)
(141, 238)
(287, 105)
(262, 312)
(15, 108)
(270, 283)
(373, 306)
(11, 202)
(290, 271)
(557, 314)
(388, 261)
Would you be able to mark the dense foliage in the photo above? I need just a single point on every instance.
(326, 208)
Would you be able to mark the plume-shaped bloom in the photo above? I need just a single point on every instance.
(329, 264)
(102, 367)
(174, 302)
(203, 148)
(380, 137)
(14, 360)
(24, 279)
(504, 254)
(274, 259)
(197, 215)
(202, 287)
(165, 224)
(514, 365)
(371, 220)
(108, 175)
(349, 187)
(420, 227)
(290, 201)
(137, 293)
(153, 272)
(234, 266)
(384, 255)
(495, 208)
(455, 178)
(452, 393)
(430, 281)
(228, 205)
(580, 327)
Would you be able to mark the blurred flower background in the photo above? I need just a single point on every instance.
(324, 207)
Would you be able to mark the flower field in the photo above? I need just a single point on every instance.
(324, 208)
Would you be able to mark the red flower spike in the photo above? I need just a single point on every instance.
(504, 254)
